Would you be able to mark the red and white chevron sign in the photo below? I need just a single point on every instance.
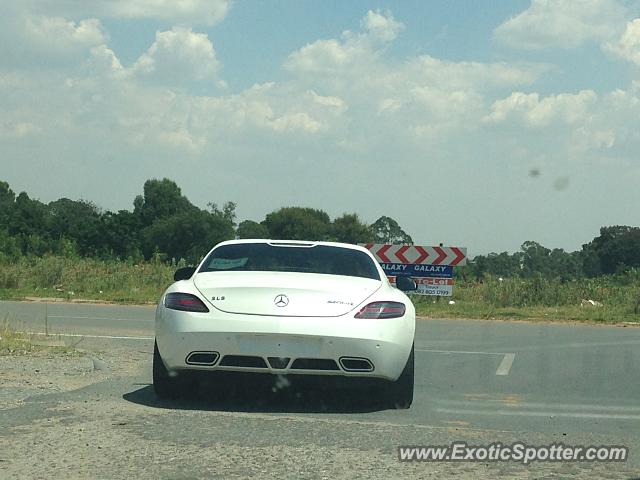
(415, 254)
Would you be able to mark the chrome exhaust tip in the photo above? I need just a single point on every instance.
(202, 358)
(356, 364)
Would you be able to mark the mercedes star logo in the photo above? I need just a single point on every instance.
(281, 301)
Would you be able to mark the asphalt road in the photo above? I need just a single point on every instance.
(535, 382)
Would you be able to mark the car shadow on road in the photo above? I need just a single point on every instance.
(263, 399)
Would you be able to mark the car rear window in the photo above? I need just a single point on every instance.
(263, 257)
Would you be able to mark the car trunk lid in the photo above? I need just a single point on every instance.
(284, 293)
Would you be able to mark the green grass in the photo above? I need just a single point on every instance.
(81, 278)
(540, 299)
(562, 313)
(510, 298)
(13, 342)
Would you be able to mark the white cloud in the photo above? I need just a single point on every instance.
(435, 114)
(381, 25)
(389, 105)
(540, 112)
(328, 101)
(622, 99)
(207, 12)
(325, 56)
(152, 118)
(178, 55)
(562, 23)
(292, 122)
(103, 60)
(465, 74)
(358, 101)
(354, 49)
(628, 46)
(177, 12)
(431, 97)
(586, 139)
(281, 109)
(613, 125)
(181, 139)
(36, 41)
(60, 35)
(447, 103)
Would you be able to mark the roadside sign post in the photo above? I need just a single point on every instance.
(430, 267)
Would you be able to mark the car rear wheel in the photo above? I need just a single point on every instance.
(164, 385)
(399, 394)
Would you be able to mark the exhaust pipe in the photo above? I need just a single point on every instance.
(202, 358)
(356, 364)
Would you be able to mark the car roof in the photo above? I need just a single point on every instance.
(301, 243)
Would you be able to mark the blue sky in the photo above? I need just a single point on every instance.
(434, 113)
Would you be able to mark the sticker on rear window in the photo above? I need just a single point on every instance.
(228, 263)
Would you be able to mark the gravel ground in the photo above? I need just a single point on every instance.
(94, 415)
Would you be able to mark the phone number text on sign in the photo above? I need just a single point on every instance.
(441, 287)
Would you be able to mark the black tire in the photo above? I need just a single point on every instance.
(164, 385)
(399, 394)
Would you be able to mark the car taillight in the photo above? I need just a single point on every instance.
(382, 310)
(185, 302)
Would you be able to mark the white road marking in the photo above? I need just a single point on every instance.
(102, 318)
(505, 365)
(462, 352)
(551, 346)
(491, 403)
(116, 337)
(503, 368)
(521, 413)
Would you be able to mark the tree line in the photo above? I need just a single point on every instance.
(164, 224)
(615, 250)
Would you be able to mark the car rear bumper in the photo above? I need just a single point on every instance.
(334, 346)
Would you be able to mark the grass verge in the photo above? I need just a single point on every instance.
(614, 299)
(13, 342)
(606, 315)
(84, 278)
(535, 298)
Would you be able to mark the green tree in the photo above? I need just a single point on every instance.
(498, 264)
(28, 216)
(349, 229)
(9, 246)
(122, 234)
(188, 235)
(565, 265)
(78, 221)
(7, 201)
(535, 258)
(35, 245)
(387, 230)
(615, 249)
(298, 223)
(251, 229)
(227, 212)
(162, 199)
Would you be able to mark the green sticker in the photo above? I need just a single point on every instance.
(227, 263)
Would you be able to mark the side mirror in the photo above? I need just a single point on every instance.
(184, 273)
(406, 284)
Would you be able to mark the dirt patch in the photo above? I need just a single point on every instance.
(24, 376)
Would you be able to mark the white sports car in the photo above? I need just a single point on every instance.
(287, 308)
